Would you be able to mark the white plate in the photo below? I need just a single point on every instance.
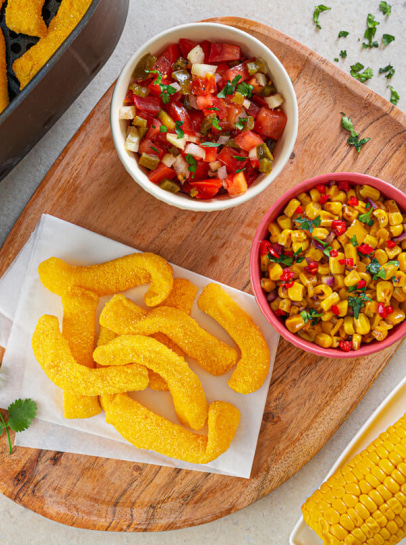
(388, 412)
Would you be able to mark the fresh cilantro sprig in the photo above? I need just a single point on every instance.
(387, 39)
(343, 53)
(191, 161)
(216, 123)
(179, 132)
(357, 302)
(310, 315)
(317, 10)
(385, 8)
(287, 260)
(239, 157)
(354, 241)
(366, 218)
(394, 95)
(327, 248)
(370, 32)
(20, 414)
(355, 71)
(388, 70)
(245, 89)
(241, 123)
(374, 268)
(166, 90)
(353, 140)
(229, 88)
(343, 34)
(307, 224)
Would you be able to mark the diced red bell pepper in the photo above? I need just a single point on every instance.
(206, 189)
(365, 249)
(270, 123)
(382, 310)
(160, 173)
(179, 113)
(287, 275)
(204, 102)
(390, 244)
(361, 284)
(389, 309)
(280, 312)
(352, 201)
(335, 310)
(151, 105)
(186, 46)
(228, 156)
(237, 185)
(206, 46)
(163, 65)
(197, 118)
(224, 53)
(154, 88)
(344, 185)
(239, 70)
(338, 227)
(289, 284)
(346, 346)
(324, 199)
(222, 68)
(211, 153)
(334, 253)
(299, 210)
(248, 140)
(321, 188)
(347, 262)
(151, 148)
(220, 108)
(172, 52)
(204, 86)
(265, 247)
(251, 174)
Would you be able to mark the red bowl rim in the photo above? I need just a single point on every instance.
(255, 274)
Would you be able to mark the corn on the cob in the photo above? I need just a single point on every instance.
(365, 501)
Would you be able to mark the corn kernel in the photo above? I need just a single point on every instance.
(335, 266)
(324, 269)
(322, 291)
(285, 237)
(383, 235)
(323, 340)
(327, 316)
(351, 252)
(335, 208)
(349, 325)
(331, 300)
(372, 241)
(296, 292)
(295, 323)
(291, 207)
(267, 284)
(304, 199)
(313, 210)
(384, 291)
(298, 236)
(357, 228)
(264, 263)
(362, 325)
(399, 295)
(396, 317)
(393, 252)
(369, 192)
(396, 230)
(314, 254)
(320, 232)
(274, 229)
(343, 308)
(349, 213)
(340, 197)
(352, 278)
(356, 341)
(275, 271)
(338, 281)
(285, 305)
(394, 215)
(381, 256)
(327, 327)
(315, 194)
(296, 246)
(284, 222)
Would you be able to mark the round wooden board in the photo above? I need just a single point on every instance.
(309, 397)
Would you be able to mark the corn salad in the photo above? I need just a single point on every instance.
(334, 267)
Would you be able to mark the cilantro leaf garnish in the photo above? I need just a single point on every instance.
(166, 90)
(20, 414)
(229, 88)
(327, 247)
(162, 128)
(394, 95)
(355, 71)
(366, 218)
(245, 89)
(179, 132)
(191, 161)
(317, 10)
(343, 53)
(353, 140)
(354, 241)
(308, 225)
(282, 260)
(297, 257)
(358, 302)
(241, 123)
(215, 122)
(370, 32)
(388, 70)
(152, 147)
(387, 39)
(210, 144)
(240, 170)
(312, 315)
(213, 108)
(385, 8)
(336, 59)
(343, 34)
(374, 268)
(239, 157)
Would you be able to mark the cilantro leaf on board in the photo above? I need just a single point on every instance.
(20, 414)
(343, 53)
(343, 34)
(353, 139)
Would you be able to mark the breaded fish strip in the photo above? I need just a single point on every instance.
(112, 276)
(25, 17)
(147, 430)
(213, 355)
(79, 329)
(4, 100)
(69, 14)
(52, 353)
(253, 366)
(184, 385)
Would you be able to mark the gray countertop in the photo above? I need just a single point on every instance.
(271, 519)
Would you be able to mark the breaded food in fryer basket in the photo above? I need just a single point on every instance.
(25, 17)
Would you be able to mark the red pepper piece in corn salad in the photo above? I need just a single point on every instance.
(334, 265)
(206, 115)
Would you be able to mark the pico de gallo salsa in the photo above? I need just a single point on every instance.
(204, 118)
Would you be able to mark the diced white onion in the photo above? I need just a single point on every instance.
(246, 104)
(261, 78)
(252, 154)
(193, 102)
(196, 151)
(223, 140)
(132, 142)
(175, 141)
(222, 172)
(196, 55)
(274, 101)
(217, 77)
(175, 85)
(190, 138)
(168, 159)
(201, 70)
(181, 168)
(126, 112)
(214, 165)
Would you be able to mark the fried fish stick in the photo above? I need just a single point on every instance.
(69, 14)
(213, 355)
(79, 329)
(184, 385)
(253, 366)
(147, 430)
(112, 276)
(4, 100)
(182, 295)
(25, 17)
(53, 354)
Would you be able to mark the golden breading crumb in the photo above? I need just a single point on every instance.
(25, 17)
(253, 366)
(147, 430)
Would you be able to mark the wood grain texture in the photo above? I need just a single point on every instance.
(309, 397)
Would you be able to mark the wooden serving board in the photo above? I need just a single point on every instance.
(309, 398)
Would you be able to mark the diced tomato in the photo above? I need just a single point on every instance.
(233, 113)
(389, 309)
(248, 140)
(239, 70)
(154, 130)
(280, 312)
(382, 310)
(229, 157)
(259, 101)
(202, 171)
(334, 253)
(197, 118)
(222, 68)
(221, 111)
(299, 210)
(206, 189)
(324, 198)
(251, 174)
(206, 46)
(344, 185)
(211, 154)
(151, 105)
(186, 46)
(321, 188)
(204, 86)
(253, 110)
(163, 65)
(152, 148)
(154, 88)
(172, 53)
(149, 118)
(224, 53)
(160, 173)
(361, 284)
(365, 249)
(270, 123)
(352, 201)
(205, 101)
(179, 113)
(129, 98)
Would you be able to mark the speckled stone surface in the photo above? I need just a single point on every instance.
(270, 520)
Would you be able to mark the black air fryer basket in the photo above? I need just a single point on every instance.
(33, 111)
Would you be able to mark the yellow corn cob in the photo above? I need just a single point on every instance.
(365, 501)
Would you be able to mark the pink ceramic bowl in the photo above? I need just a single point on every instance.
(395, 334)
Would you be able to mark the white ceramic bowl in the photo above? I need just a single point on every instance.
(216, 33)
